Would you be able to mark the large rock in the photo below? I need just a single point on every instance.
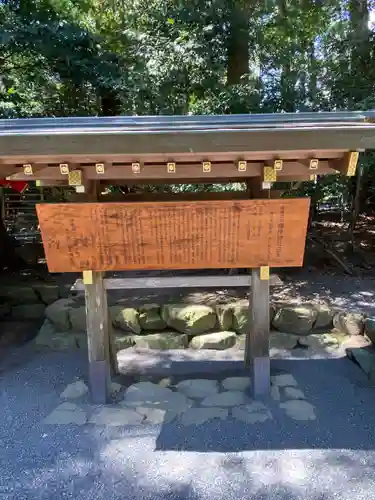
(150, 317)
(49, 337)
(122, 341)
(365, 358)
(369, 328)
(224, 314)
(28, 311)
(191, 319)
(324, 319)
(127, 319)
(147, 394)
(77, 317)
(349, 323)
(48, 292)
(19, 294)
(164, 340)
(241, 316)
(295, 319)
(5, 309)
(218, 340)
(226, 399)
(58, 313)
(282, 341)
(198, 388)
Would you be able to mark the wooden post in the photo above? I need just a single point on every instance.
(97, 337)
(257, 339)
(102, 357)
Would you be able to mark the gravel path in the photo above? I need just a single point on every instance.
(332, 457)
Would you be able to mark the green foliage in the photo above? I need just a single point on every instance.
(93, 57)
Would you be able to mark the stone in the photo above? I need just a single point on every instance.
(197, 388)
(299, 410)
(48, 292)
(15, 333)
(349, 323)
(284, 380)
(75, 390)
(150, 317)
(127, 320)
(369, 329)
(275, 393)
(236, 383)
(324, 319)
(155, 416)
(225, 399)
(197, 416)
(19, 294)
(241, 316)
(191, 319)
(164, 340)
(28, 311)
(58, 314)
(365, 358)
(148, 394)
(77, 318)
(293, 393)
(115, 388)
(122, 341)
(224, 313)
(66, 414)
(116, 417)
(295, 319)
(280, 340)
(5, 309)
(217, 340)
(320, 343)
(49, 337)
(252, 413)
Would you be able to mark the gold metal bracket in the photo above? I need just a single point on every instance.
(171, 168)
(264, 273)
(242, 166)
(313, 164)
(269, 174)
(64, 169)
(99, 168)
(75, 178)
(352, 163)
(87, 277)
(206, 166)
(28, 169)
(136, 168)
(278, 165)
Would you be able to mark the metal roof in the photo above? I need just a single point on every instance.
(202, 123)
(141, 136)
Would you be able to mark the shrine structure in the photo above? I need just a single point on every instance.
(249, 229)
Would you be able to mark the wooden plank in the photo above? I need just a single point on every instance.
(174, 282)
(257, 339)
(97, 338)
(174, 235)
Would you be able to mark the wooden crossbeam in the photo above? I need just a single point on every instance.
(179, 172)
(175, 282)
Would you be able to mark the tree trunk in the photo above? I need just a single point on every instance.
(238, 42)
(360, 64)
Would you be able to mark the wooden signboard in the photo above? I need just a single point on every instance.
(174, 235)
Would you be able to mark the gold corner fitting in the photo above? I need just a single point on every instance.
(264, 273)
(87, 277)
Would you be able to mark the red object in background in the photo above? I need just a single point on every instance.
(18, 186)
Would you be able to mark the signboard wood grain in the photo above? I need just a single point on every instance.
(174, 235)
